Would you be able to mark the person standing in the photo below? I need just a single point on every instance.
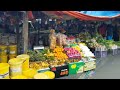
(115, 33)
(102, 29)
(109, 32)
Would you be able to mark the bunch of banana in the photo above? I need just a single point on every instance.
(49, 54)
(35, 66)
(45, 64)
(53, 63)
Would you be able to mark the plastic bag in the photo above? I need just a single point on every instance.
(61, 39)
(52, 38)
(64, 41)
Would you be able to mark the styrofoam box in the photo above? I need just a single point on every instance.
(89, 65)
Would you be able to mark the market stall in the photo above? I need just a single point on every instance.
(65, 55)
(62, 58)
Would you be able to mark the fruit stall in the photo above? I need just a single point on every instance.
(47, 64)
(61, 58)
(66, 55)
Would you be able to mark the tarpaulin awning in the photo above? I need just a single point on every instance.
(101, 13)
(58, 15)
(94, 15)
(84, 15)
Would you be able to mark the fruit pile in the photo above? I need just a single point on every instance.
(72, 53)
(59, 53)
(39, 65)
(72, 60)
(76, 47)
(45, 75)
(45, 58)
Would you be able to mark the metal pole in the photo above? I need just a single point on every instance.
(25, 31)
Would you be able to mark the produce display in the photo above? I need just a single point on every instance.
(59, 54)
(117, 43)
(86, 51)
(72, 53)
(98, 43)
(51, 63)
(60, 59)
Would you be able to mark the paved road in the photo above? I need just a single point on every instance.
(107, 68)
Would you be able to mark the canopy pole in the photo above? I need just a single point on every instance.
(25, 31)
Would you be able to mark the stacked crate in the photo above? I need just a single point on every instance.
(100, 52)
(114, 50)
(90, 63)
(118, 50)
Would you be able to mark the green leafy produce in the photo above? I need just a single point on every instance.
(36, 56)
(117, 43)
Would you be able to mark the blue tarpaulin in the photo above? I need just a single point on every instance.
(101, 13)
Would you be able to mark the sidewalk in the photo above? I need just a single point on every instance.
(107, 68)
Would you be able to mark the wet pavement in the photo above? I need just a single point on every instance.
(107, 68)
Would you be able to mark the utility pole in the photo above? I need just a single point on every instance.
(25, 31)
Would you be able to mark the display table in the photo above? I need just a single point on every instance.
(85, 75)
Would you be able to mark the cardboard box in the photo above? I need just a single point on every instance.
(76, 67)
(90, 64)
(60, 71)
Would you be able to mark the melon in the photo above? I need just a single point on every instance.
(50, 74)
(41, 76)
